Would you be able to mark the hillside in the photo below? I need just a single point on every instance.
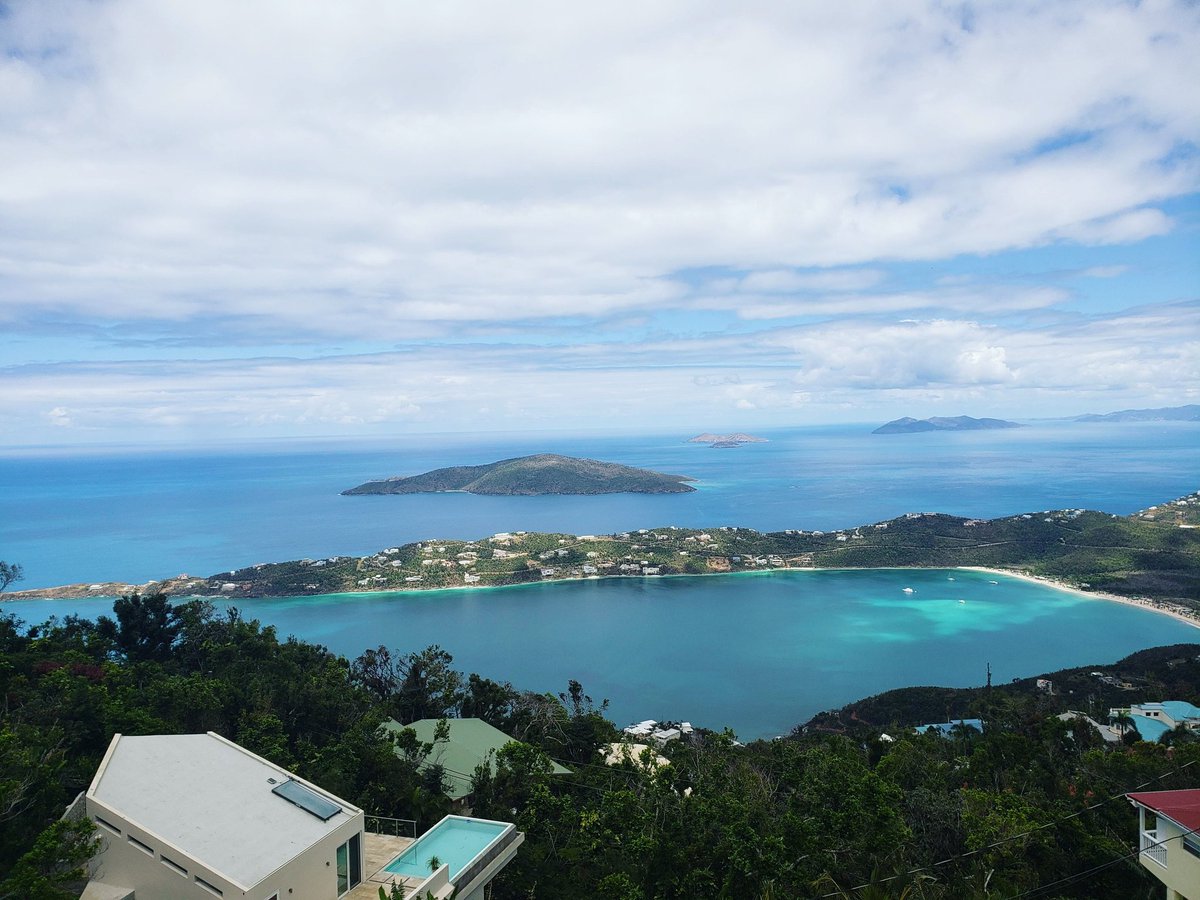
(545, 473)
(909, 425)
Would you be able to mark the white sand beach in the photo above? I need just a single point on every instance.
(1168, 609)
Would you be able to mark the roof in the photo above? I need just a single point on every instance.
(947, 728)
(212, 800)
(1178, 806)
(1180, 710)
(471, 740)
(1150, 729)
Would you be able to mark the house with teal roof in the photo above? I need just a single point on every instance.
(1153, 720)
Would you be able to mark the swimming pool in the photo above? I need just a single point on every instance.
(455, 841)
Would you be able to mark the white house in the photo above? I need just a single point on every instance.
(196, 816)
(1169, 839)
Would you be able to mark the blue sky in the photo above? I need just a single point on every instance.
(225, 221)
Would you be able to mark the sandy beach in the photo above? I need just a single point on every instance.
(1167, 609)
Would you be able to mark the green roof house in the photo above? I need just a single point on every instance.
(472, 742)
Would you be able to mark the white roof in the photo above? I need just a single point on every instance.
(212, 800)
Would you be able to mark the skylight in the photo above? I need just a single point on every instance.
(307, 800)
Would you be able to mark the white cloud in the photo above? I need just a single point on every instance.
(346, 169)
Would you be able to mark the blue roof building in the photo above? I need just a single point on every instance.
(946, 729)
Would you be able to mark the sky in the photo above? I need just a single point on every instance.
(234, 220)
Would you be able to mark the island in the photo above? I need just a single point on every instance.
(543, 473)
(726, 440)
(909, 425)
(1189, 413)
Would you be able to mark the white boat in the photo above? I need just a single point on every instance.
(908, 590)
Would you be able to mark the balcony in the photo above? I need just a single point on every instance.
(1152, 849)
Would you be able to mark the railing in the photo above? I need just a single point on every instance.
(383, 825)
(1152, 849)
(467, 875)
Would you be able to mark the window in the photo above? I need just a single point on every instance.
(145, 848)
(211, 888)
(349, 865)
(1191, 843)
(109, 825)
(173, 866)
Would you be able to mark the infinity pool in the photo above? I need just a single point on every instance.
(455, 841)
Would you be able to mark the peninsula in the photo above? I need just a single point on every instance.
(1152, 555)
(909, 425)
(544, 473)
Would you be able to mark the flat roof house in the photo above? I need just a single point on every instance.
(1169, 839)
(196, 816)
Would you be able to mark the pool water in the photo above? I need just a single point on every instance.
(455, 841)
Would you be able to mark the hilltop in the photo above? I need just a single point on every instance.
(544, 473)
(909, 425)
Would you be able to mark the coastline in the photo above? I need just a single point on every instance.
(1178, 613)
(80, 591)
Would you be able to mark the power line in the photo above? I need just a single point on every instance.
(1022, 834)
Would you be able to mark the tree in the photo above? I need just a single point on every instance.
(146, 627)
(10, 572)
(54, 866)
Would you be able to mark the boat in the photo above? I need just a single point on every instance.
(908, 590)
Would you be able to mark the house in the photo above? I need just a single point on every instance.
(946, 729)
(473, 742)
(1153, 720)
(1168, 839)
(196, 816)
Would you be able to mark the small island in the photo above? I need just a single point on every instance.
(909, 425)
(722, 441)
(544, 473)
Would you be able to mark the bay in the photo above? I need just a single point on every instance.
(757, 652)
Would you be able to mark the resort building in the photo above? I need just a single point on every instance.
(1168, 839)
(197, 816)
(1153, 720)
(472, 743)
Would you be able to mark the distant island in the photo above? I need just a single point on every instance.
(1189, 413)
(544, 473)
(726, 440)
(909, 425)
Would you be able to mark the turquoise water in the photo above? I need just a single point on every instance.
(757, 652)
(131, 516)
(455, 841)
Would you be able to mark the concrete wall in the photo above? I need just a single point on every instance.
(122, 862)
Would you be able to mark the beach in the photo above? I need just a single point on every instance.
(1175, 611)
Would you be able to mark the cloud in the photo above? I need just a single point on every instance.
(311, 169)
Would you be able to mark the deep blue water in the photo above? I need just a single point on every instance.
(757, 652)
(126, 516)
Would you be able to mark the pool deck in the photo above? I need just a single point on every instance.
(380, 849)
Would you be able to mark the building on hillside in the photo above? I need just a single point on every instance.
(947, 729)
(473, 742)
(1169, 839)
(196, 816)
(1153, 720)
